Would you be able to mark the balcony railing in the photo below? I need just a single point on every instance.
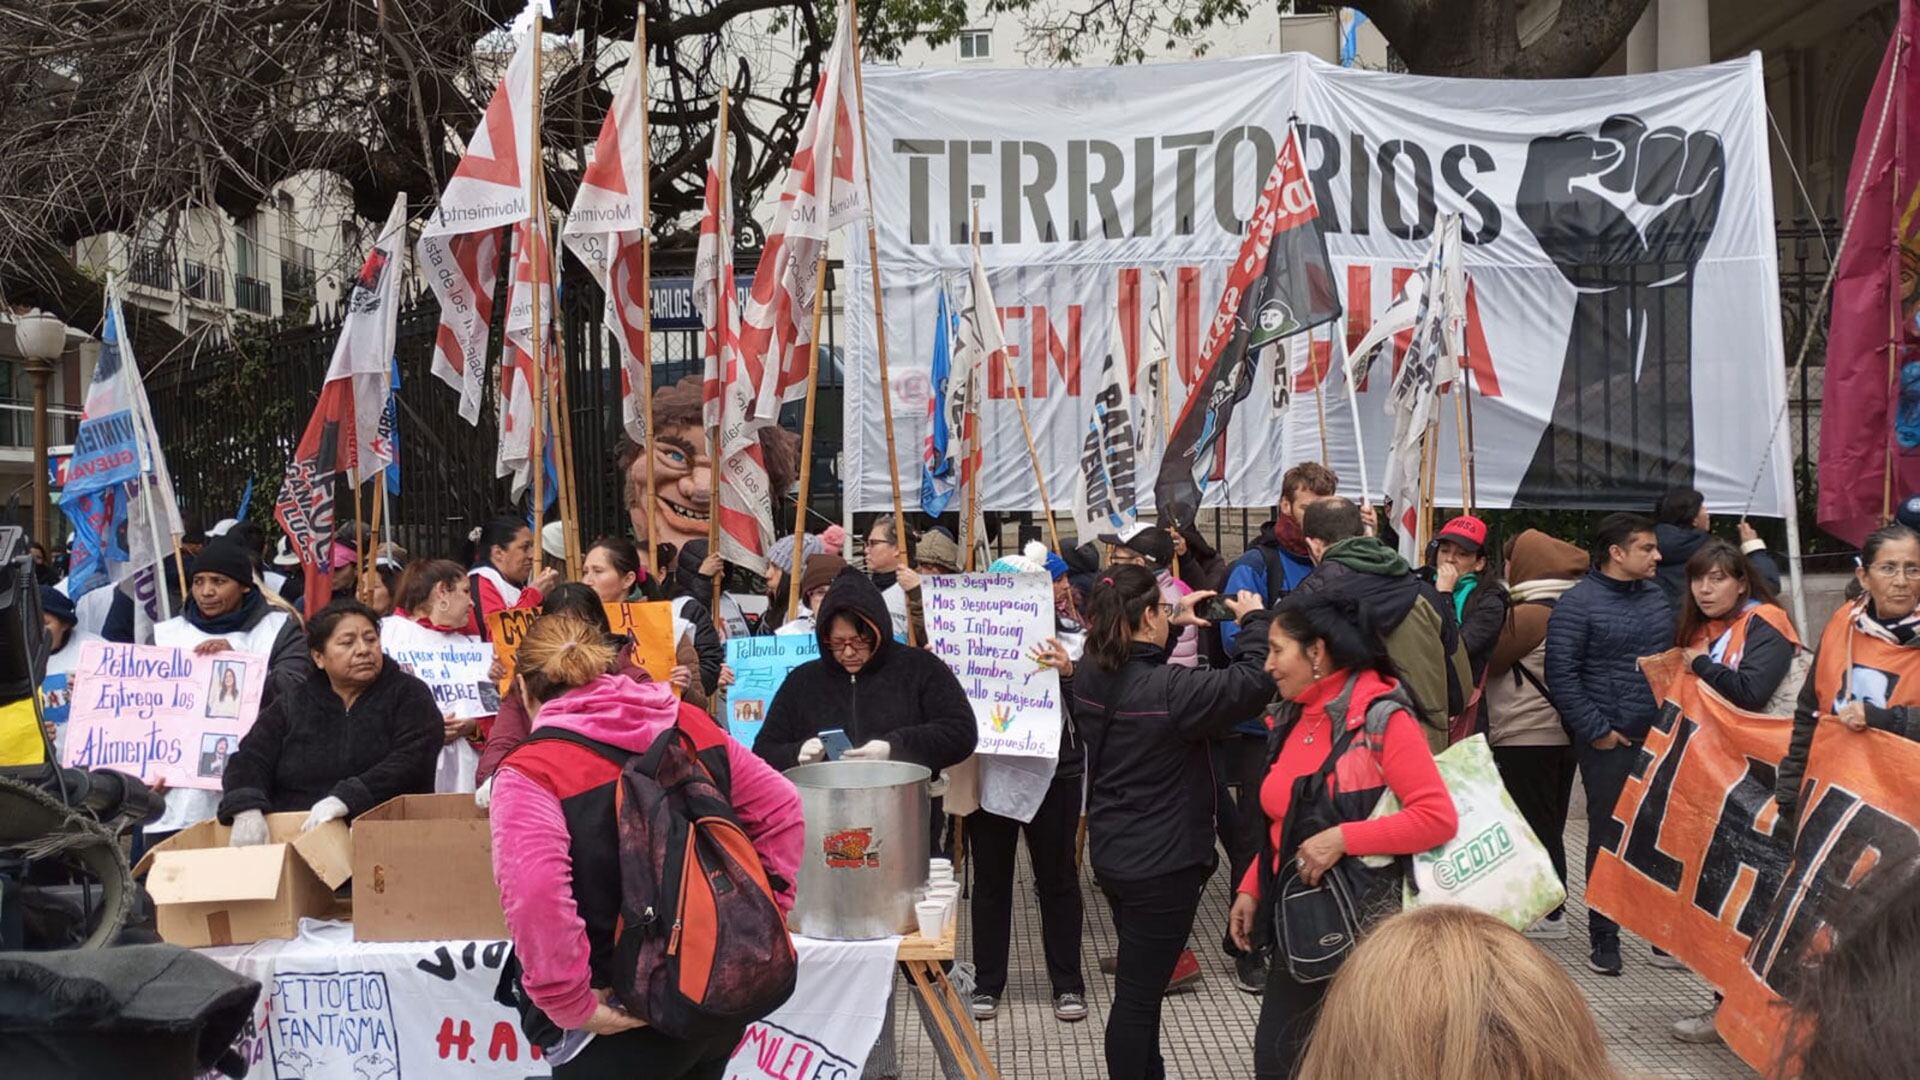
(16, 424)
(202, 282)
(253, 295)
(296, 274)
(152, 266)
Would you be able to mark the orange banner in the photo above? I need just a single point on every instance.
(1700, 864)
(649, 624)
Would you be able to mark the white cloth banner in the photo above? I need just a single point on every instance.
(1623, 330)
(332, 1008)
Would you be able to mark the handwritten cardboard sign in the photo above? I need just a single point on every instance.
(160, 713)
(986, 626)
(454, 666)
(649, 623)
(760, 665)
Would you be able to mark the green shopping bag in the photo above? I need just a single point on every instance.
(1494, 863)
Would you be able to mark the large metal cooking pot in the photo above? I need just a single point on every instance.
(866, 848)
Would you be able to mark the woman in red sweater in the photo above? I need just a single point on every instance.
(1330, 669)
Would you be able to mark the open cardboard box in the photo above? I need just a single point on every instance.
(423, 871)
(206, 893)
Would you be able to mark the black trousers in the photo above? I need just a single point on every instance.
(995, 841)
(1287, 1012)
(1240, 763)
(1540, 779)
(645, 1052)
(1603, 773)
(1152, 919)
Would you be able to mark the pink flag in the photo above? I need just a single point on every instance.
(460, 247)
(822, 192)
(607, 233)
(1870, 419)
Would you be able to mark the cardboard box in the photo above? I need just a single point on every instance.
(206, 893)
(423, 871)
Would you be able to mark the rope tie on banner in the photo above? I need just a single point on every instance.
(1826, 287)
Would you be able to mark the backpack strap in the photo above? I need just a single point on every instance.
(553, 734)
(1276, 573)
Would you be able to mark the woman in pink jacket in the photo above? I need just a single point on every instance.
(556, 854)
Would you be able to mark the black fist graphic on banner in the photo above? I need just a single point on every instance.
(1625, 214)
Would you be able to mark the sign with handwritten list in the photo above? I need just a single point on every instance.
(760, 665)
(986, 627)
(161, 713)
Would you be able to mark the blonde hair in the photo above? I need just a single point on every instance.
(560, 653)
(1449, 993)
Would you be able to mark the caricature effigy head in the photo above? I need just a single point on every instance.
(683, 469)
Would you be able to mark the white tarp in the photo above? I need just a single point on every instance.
(1619, 249)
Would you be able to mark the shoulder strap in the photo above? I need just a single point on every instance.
(1521, 670)
(479, 616)
(553, 734)
(1276, 573)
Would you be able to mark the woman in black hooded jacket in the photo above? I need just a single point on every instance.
(893, 702)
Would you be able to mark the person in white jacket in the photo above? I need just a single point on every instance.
(226, 612)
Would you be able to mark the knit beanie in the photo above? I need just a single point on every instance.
(781, 553)
(1057, 566)
(820, 572)
(226, 558)
(1031, 560)
(936, 548)
(55, 603)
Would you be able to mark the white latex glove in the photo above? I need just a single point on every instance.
(483, 795)
(249, 829)
(327, 809)
(876, 750)
(811, 751)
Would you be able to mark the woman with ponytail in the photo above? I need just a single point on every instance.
(1146, 726)
(1339, 697)
(556, 850)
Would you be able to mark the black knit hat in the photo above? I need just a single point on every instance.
(226, 558)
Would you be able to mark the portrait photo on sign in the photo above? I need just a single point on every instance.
(223, 689)
(215, 748)
(749, 710)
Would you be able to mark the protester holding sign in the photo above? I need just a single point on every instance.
(1147, 725)
(557, 853)
(503, 550)
(433, 641)
(357, 732)
(1344, 734)
(1736, 635)
(225, 611)
(893, 702)
(64, 642)
(1866, 669)
(612, 570)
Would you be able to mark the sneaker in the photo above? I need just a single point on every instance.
(1185, 973)
(1605, 958)
(1250, 973)
(984, 1006)
(1551, 928)
(1071, 1008)
(1109, 965)
(1698, 1029)
(1666, 961)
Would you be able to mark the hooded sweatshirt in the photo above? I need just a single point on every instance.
(1678, 544)
(907, 697)
(564, 950)
(1539, 569)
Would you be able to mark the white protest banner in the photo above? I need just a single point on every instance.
(986, 626)
(161, 714)
(454, 665)
(332, 1008)
(1619, 252)
(760, 665)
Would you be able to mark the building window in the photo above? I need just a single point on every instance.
(976, 44)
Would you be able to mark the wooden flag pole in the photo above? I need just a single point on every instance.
(714, 451)
(1320, 394)
(563, 459)
(1429, 471)
(1460, 429)
(537, 387)
(359, 556)
(806, 439)
(1473, 460)
(373, 534)
(652, 546)
(879, 304)
(1033, 451)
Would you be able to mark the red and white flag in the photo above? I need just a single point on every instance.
(344, 435)
(978, 348)
(822, 192)
(607, 233)
(460, 247)
(745, 498)
(532, 262)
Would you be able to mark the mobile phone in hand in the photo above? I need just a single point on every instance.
(836, 743)
(1214, 609)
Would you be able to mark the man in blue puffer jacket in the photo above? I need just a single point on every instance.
(1598, 631)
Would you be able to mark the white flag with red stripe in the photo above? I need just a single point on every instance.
(978, 348)
(460, 247)
(822, 192)
(745, 498)
(607, 232)
(531, 263)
